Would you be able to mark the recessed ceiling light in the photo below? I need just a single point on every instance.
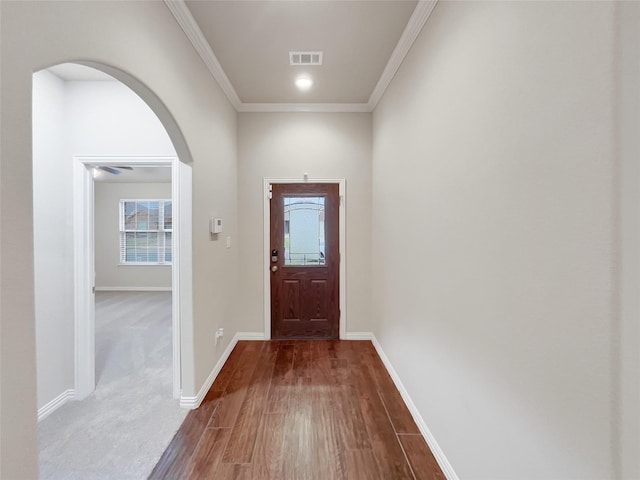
(304, 82)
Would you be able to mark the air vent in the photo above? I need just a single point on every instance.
(305, 58)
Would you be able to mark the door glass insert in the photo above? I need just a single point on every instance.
(304, 231)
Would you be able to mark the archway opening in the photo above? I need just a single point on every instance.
(86, 123)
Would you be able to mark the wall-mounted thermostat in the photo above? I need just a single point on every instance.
(215, 226)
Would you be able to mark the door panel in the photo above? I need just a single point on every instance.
(318, 292)
(291, 293)
(305, 261)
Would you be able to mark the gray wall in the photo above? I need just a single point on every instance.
(143, 42)
(110, 274)
(53, 238)
(628, 267)
(324, 145)
(494, 164)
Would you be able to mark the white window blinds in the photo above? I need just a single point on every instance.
(145, 232)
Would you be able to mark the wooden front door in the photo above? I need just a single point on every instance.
(305, 260)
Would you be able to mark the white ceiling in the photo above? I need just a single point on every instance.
(139, 174)
(246, 45)
(252, 40)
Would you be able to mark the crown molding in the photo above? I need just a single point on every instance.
(420, 15)
(304, 107)
(191, 29)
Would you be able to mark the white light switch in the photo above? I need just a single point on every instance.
(228, 242)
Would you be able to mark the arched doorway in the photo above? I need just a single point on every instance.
(63, 193)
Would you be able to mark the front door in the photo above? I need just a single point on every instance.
(305, 260)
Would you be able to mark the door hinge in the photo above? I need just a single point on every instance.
(270, 191)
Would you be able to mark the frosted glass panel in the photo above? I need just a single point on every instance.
(304, 231)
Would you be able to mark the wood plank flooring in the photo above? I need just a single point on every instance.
(298, 410)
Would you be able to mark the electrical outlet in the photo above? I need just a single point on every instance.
(219, 334)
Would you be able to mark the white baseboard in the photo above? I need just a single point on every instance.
(56, 403)
(133, 289)
(359, 336)
(250, 336)
(194, 402)
(446, 467)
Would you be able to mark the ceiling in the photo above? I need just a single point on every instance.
(252, 40)
(138, 174)
(246, 44)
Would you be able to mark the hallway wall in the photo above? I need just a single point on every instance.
(628, 183)
(52, 238)
(286, 145)
(141, 41)
(493, 236)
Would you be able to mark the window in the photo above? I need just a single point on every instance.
(304, 230)
(145, 232)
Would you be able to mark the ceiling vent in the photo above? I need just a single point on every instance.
(305, 58)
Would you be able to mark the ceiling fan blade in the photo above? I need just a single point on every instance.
(109, 169)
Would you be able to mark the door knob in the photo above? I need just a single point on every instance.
(274, 268)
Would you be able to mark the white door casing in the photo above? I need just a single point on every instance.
(84, 262)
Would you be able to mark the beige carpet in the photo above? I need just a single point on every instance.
(120, 431)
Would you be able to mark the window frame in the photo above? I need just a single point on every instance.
(161, 231)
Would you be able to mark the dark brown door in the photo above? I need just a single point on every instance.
(305, 260)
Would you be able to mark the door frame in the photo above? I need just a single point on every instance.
(84, 261)
(266, 248)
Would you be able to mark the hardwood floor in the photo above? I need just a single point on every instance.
(300, 409)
